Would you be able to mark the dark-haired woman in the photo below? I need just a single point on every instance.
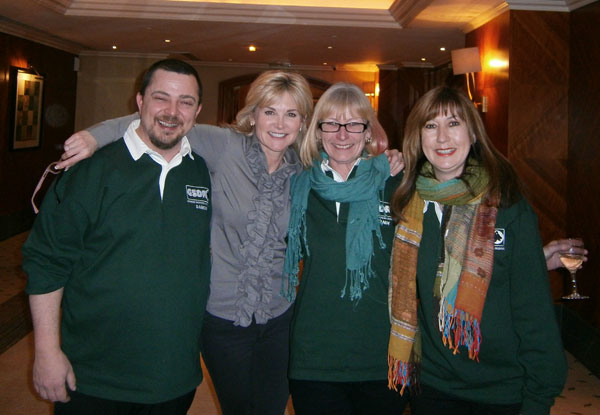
(467, 247)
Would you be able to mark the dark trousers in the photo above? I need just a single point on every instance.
(346, 398)
(431, 401)
(248, 365)
(81, 404)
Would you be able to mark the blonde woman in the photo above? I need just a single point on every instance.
(341, 230)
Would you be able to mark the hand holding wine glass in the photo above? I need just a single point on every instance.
(553, 249)
(572, 260)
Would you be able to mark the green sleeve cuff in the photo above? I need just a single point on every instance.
(532, 407)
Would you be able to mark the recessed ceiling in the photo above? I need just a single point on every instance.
(341, 34)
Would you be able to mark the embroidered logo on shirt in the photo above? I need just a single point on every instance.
(499, 239)
(385, 218)
(197, 196)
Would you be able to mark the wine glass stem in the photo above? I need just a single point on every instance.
(573, 282)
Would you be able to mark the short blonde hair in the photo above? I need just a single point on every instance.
(337, 99)
(266, 89)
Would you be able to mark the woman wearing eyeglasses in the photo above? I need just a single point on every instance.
(341, 231)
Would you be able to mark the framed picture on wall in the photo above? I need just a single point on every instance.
(27, 91)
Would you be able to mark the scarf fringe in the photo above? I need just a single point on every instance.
(293, 257)
(404, 374)
(359, 281)
(459, 328)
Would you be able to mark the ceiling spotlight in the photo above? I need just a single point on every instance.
(423, 59)
(443, 49)
(167, 40)
(252, 48)
(114, 47)
(324, 63)
(329, 47)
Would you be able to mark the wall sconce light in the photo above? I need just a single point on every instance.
(466, 61)
(371, 90)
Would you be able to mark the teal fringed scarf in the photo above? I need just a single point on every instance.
(362, 192)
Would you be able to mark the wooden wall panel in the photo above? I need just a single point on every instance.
(20, 170)
(400, 89)
(538, 121)
(583, 178)
(527, 107)
(389, 104)
(538, 108)
(493, 42)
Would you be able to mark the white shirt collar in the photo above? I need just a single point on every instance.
(439, 210)
(137, 148)
(325, 167)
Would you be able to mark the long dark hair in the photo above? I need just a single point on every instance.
(504, 187)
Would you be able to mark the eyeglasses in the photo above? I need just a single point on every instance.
(334, 127)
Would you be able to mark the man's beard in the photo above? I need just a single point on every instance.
(165, 145)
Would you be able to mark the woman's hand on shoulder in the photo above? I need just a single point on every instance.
(79, 146)
(396, 161)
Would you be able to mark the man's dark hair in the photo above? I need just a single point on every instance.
(171, 65)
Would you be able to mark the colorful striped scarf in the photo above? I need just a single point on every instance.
(462, 278)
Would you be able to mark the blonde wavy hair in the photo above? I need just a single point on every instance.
(268, 88)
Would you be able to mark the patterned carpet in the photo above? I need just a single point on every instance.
(581, 395)
(12, 277)
(15, 320)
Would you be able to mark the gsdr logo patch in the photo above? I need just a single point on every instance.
(198, 196)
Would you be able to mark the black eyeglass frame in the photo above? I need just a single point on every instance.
(339, 126)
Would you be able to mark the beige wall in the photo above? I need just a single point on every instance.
(106, 85)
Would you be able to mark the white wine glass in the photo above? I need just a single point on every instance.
(572, 261)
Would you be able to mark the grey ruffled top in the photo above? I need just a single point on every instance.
(263, 250)
(249, 224)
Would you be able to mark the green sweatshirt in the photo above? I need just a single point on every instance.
(332, 338)
(135, 272)
(521, 357)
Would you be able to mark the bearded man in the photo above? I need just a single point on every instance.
(118, 264)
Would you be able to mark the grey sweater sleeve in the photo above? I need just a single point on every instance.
(209, 141)
(111, 130)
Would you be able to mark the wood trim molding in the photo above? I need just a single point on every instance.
(483, 18)
(227, 12)
(26, 32)
(548, 5)
(59, 6)
(404, 11)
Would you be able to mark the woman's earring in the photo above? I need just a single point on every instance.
(368, 140)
